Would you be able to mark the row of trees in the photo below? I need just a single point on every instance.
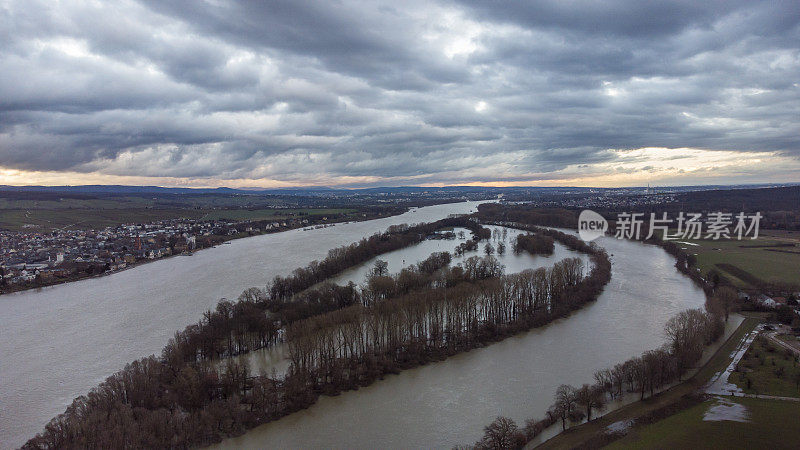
(282, 289)
(380, 285)
(467, 246)
(335, 349)
(181, 400)
(256, 319)
(688, 333)
(548, 217)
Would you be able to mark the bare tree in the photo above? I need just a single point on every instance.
(590, 397)
(380, 268)
(501, 434)
(565, 404)
(727, 297)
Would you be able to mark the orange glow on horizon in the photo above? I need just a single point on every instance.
(655, 166)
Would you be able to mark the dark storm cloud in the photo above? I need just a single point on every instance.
(417, 92)
(628, 18)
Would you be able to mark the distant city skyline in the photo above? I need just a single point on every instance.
(361, 94)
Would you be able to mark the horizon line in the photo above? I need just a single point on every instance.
(353, 188)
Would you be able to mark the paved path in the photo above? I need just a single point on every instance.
(719, 382)
(718, 385)
(772, 337)
(769, 397)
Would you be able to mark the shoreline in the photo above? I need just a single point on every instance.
(565, 309)
(225, 241)
(511, 331)
(178, 291)
(720, 354)
(631, 399)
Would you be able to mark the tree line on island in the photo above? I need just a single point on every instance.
(461, 309)
(338, 338)
(255, 321)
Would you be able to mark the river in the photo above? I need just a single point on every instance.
(448, 403)
(58, 342)
(512, 262)
(276, 357)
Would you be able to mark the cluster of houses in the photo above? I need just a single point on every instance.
(772, 302)
(622, 199)
(30, 256)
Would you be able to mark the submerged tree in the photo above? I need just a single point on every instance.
(380, 268)
(502, 434)
(565, 404)
(590, 397)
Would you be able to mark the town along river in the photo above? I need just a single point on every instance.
(448, 403)
(59, 342)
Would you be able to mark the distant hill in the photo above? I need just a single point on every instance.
(387, 190)
(116, 189)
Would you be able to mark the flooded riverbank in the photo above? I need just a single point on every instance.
(60, 341)
(276, 358)
(448, 403)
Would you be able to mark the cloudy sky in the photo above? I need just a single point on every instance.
(352, 93)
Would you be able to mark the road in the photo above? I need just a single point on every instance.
(773, 336)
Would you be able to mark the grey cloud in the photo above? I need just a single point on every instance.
(625, 18)
(286, 90)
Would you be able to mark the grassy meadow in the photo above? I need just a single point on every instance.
(767, 369)
(773, 258)
(98, 213)
(770, 424)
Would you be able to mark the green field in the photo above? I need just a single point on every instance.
(47, 219)
(99, 211)
(261, 214)
(98, 218)
(767, 258)
(771, 424)
(72, 203)
(770, 370)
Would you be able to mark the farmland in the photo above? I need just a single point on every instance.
(46, 219)
(772, 258)
(765, 425)
(49, 212)
(271, 214)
